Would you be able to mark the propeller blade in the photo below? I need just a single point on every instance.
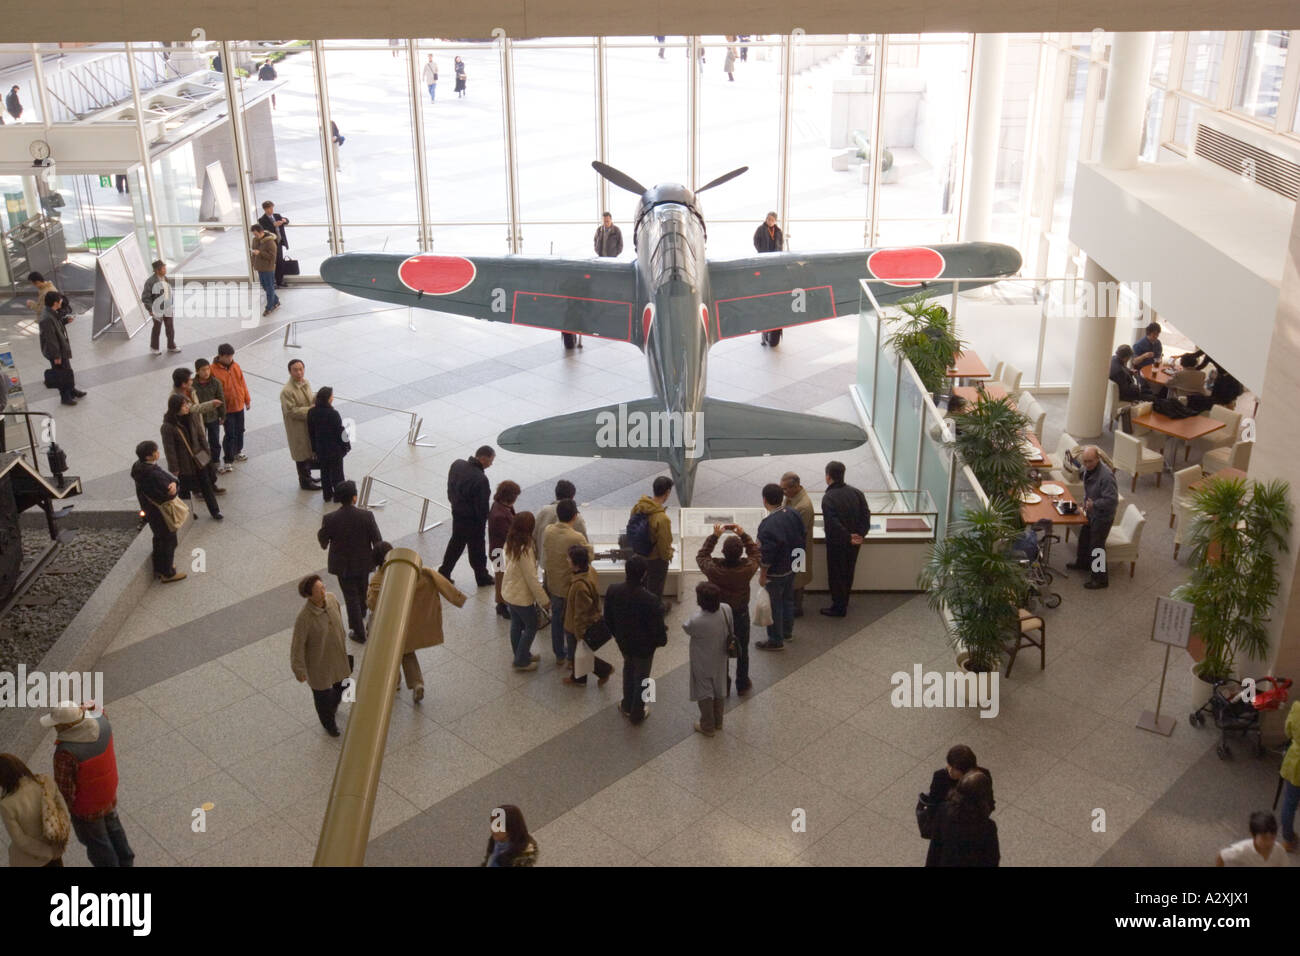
(724, 178)
(618, 178)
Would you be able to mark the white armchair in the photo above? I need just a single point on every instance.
(1238, 456)
(1186, 515)
(1036, 414)
(1010, 376)
(1122, 543)
(1183, 479)
(1137, 459)
(1223, 437)
(1114, 405)
(995, 368)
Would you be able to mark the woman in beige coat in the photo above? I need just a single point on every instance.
(22, 798)
(522, 591)
(424, 625)
(319, 656)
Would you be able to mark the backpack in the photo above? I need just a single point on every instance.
(638, 534)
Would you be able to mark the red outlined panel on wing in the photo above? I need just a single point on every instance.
(912, 262)
(603, 318)
(747, 314)
(436, 275)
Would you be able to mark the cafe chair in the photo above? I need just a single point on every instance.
(1114, 405)
(1186, 515)
(1183, 480)
(1137, 459)
(1010, 377)
(1223, 437)
(1238, 456)
(995, 368)
(1029, 625)
(1036, 414)
(1122, 543)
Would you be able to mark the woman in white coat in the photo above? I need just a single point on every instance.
(521, 590)
(22, 801)
(709, 629)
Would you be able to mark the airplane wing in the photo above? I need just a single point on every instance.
(591, 297)
(783, 289)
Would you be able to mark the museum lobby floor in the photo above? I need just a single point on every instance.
(205, 709)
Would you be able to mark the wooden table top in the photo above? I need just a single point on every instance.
(968, 364)
(971, 394)
(1228, 473)
(1188, 429)
(1156, 375)
(1042, 461)
(1043, 509)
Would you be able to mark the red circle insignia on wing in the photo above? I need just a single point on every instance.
(913, 262)
(436, 275)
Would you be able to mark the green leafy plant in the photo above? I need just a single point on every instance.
(974, 576)
(926, 335)
(989, 434)
(1236, 536)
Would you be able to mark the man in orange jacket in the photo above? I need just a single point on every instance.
(231, 376)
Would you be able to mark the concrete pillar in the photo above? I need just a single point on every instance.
(1092, 351)
(1274, 457)
(983, 126)
(1126, 99)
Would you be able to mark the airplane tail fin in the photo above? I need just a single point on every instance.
(643, 431)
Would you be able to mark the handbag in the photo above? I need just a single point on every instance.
(543, 616)
(597, 635)
(290, 267)
(174, 512)
(56, 824)
(926, 810)
(201, 457)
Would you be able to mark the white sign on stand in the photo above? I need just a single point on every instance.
(1172, 627)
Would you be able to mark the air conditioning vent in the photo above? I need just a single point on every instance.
(1240, 158)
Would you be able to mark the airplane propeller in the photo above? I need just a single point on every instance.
(618, 178)
(726, 177)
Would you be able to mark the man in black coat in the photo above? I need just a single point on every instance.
(769, 238)
(634, 617)
(351, 534)
(469, 494)
(56, 347)
(847, 520)
(274, 223)
(1100, 502)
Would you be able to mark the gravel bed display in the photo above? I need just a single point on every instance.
(28, 631)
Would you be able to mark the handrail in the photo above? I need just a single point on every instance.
(345, 829)
(369, 481)
(31, 437)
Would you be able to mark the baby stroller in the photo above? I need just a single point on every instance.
(1233, 714)
(1033, 548)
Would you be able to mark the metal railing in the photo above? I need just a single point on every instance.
(370, 480)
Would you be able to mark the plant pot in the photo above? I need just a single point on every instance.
(963, 662)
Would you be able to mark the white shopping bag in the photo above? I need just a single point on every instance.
(584, 658)
(761, 615)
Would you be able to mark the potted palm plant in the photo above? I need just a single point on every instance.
(974, 579)
(1236, 536)
(989, 437)
(926, 335)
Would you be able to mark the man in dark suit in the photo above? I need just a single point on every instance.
(847, 520)
(634, 617)
(274, 223)
(769, 238)
(469, 494)
(351, 534)
(56, 347)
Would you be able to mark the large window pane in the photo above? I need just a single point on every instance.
(926, 90)
(370, 104)
(555, 119)
(1160, 57)
(1021, 80)
(1151, 126)
(1260, 64)
(648, 116)
(740, 125)
(464, 136)
(1203, 62)
(830, 145)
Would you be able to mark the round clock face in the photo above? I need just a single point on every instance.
(39, 149)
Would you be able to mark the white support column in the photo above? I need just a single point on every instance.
(515, 238)
(1092, 349)
(877, 148)
(328, 150)
(783, 145)
(983, 126)
(239, 139)
(693, 110)
(602, 124)
(43, 95)
(1126, 99)
(418, 92)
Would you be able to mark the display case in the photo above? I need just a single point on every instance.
(604, 525)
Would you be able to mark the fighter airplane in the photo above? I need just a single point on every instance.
(674, 304)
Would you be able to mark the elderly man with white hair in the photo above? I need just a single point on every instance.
(1100, 500)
